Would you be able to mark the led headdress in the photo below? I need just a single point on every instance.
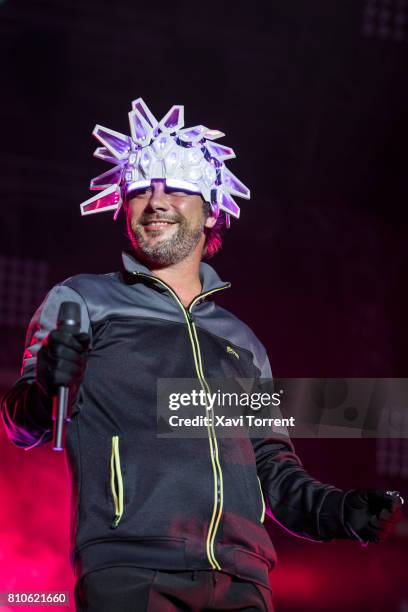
(187, 158)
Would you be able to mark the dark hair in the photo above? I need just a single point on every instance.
(213, 239)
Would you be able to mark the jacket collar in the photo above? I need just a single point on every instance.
(208, 276)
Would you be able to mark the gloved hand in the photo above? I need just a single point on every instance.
(372, 513)
(61, 360)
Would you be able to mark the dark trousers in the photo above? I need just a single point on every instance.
(133, 589)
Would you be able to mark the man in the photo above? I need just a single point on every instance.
(163, 523)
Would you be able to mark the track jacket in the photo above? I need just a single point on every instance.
(165, 503)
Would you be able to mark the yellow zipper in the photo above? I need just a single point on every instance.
(116, 477)
(217, 473)
(218, 485)
(263, 502)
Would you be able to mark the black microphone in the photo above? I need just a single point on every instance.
(68, 320)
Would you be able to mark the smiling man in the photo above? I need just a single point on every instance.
(167, 229)
(173, 228)
(162, 524)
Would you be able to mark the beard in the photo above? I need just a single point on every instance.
(167, 251)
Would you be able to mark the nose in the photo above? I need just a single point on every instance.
(158, 200)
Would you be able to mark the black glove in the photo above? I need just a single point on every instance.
(370, 514)
(61, 360)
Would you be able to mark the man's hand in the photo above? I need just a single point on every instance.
(61, 360)
(372, 513)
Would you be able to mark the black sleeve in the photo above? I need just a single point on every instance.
(299, 503)
(26, 414)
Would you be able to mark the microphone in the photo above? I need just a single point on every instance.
(68, 320)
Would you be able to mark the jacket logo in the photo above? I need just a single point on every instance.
(232, 352)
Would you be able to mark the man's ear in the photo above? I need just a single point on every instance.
(210, 222)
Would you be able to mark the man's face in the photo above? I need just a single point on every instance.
(166, 225)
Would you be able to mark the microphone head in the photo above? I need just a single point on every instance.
(69, 313)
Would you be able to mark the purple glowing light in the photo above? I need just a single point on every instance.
(234, 185)
(118, 144)
(220, 151)
(104, 153)
(192, 134)
(111, 177)
(140, 128)
(141, 106)
(228, 204)
(213, 134)
(109, 199)
(173, 120)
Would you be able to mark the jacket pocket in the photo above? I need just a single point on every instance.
(263, 502)
(116, 481)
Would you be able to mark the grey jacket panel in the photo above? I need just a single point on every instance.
(106, 295)
(44, 320)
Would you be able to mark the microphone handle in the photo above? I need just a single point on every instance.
(60, 410)
(69, 320)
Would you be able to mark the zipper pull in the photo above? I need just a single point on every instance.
(115, 521)
(190, 316)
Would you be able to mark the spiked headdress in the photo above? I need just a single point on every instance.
(187, 158)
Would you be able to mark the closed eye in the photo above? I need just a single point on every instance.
(147, 191)
(142, 191)
(178, 192)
